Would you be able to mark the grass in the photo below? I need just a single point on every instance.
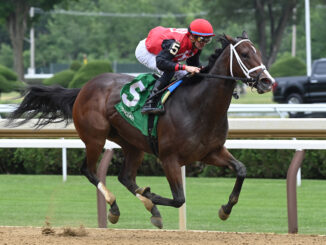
(252, 97)
(28, 200)
(10, 98)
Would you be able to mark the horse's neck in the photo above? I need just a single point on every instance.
(218, 92)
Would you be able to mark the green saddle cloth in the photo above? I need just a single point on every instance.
(133, 97)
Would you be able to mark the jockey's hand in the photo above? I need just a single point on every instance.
(192, 69)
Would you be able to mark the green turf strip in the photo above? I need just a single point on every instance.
(28, 200)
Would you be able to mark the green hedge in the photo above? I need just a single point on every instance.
(39, 161)
(9, 81)
(8, 74)
(288, 66)
(75, 65)
(89, 71)
(77, 75)
(259, 163)
(62, 78)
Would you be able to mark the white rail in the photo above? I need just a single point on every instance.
(277, 144)
(7, 108)
(230, 144)
(281, 110)
(49, 143)
(321, 107)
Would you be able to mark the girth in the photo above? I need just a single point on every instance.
(153, 143)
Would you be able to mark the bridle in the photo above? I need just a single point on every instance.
(245, 70)
(250, 81)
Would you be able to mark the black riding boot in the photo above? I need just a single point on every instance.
(150, 106)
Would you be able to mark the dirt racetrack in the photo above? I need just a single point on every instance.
(81, 236)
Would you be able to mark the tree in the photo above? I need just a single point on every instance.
(15, 14)
(269, 17)
(62, 38)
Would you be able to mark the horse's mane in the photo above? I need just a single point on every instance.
(212, 58)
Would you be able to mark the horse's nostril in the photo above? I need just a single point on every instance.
(264, 85)
(266, 81)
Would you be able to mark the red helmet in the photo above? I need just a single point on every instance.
(201, 27)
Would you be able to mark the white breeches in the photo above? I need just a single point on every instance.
(149, 60)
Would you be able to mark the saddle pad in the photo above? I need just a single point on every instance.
(133, 97)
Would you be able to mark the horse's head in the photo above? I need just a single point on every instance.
(245, 60)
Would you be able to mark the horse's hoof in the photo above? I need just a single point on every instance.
(113, 218)
(157, 221)
(222, 214)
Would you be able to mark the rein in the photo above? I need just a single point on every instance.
(250, 81)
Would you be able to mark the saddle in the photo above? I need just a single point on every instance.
(133, 96)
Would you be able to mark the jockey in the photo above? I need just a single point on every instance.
(164, 48)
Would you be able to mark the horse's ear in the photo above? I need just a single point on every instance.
(245, 35)
(223, 40)
(230, 39)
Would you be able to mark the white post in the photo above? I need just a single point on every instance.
(182, 209)
(308, 38)
(64, 163)
(31, 69)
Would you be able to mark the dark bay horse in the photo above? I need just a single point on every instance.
(194, 127)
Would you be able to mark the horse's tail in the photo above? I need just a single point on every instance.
(48, 104)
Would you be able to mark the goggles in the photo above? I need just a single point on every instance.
(202, 39)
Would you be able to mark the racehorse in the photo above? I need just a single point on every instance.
(193, 128)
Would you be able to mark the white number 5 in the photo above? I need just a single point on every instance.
(174, 48)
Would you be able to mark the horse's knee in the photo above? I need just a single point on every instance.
(240, 169)
(242, 172)
(178, 202)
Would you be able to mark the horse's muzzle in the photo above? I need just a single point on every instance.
(264, 85)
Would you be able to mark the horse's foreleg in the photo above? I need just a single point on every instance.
(223, 158)
(225, 210)
(89, 170)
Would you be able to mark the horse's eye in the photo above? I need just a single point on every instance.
(245, 55)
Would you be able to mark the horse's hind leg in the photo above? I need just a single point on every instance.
(127, 176)
(173, 174)
(93, 151)
(223, 158)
